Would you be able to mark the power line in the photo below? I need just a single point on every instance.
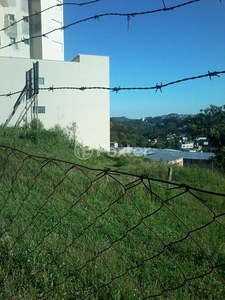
(97, 17)
(157, 87)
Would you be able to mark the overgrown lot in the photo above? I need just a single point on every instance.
(107, 227)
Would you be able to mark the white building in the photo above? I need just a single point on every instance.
(89, 109)
(186, 145)
(19, 25)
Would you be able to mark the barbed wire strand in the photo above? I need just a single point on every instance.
(157, 87)
(97, 17)
(46, 9)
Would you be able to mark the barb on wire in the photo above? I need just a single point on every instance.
(164, 5)
(128, 20)
(51, 88)
(8, 95)
(157, 87)
(116, 89)
(127, 15)
(211, 74)
(83, 88)
(96, 17)
(46, 9)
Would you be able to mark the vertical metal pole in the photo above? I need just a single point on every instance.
(26, 115)
(36, 86)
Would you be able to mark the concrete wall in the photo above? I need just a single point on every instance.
(89, 108)
(53, 46)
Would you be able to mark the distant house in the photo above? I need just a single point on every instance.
(186, 145)
(113, 145)
(153, 141)
(171, 156)
(202, 141)
(165, 158)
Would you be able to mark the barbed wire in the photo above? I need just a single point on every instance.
(157, 87)
(97, 17)
(46, 9)
(77, 232)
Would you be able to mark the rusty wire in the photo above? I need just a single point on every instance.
(95, 17)
(67, 231)
(116, 89)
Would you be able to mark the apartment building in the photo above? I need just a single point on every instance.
(20, 20)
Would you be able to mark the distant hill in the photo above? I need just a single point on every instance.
(124, 119)
(121, 119)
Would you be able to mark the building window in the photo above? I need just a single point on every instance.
(12, 40)
(39, 109)
(41, 80)
(11, 17)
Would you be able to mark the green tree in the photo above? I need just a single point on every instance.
(210, 122)
(220, 158)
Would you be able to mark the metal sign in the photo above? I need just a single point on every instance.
(32, 81)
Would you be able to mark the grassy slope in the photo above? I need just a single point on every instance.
(71, 233)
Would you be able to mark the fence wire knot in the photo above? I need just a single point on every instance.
(183, 185)
(103, 172)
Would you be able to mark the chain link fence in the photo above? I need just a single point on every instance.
(72, 232)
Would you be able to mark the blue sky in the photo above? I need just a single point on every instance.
(158, 47)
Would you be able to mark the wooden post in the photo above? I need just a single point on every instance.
(170, 171)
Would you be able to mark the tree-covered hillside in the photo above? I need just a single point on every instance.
(210, 123)
(143, 132)
(166, 131)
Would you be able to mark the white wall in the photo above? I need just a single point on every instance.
(89, 108)
(187, 146)
(53, 46)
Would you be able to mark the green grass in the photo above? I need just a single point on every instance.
(68, 232)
